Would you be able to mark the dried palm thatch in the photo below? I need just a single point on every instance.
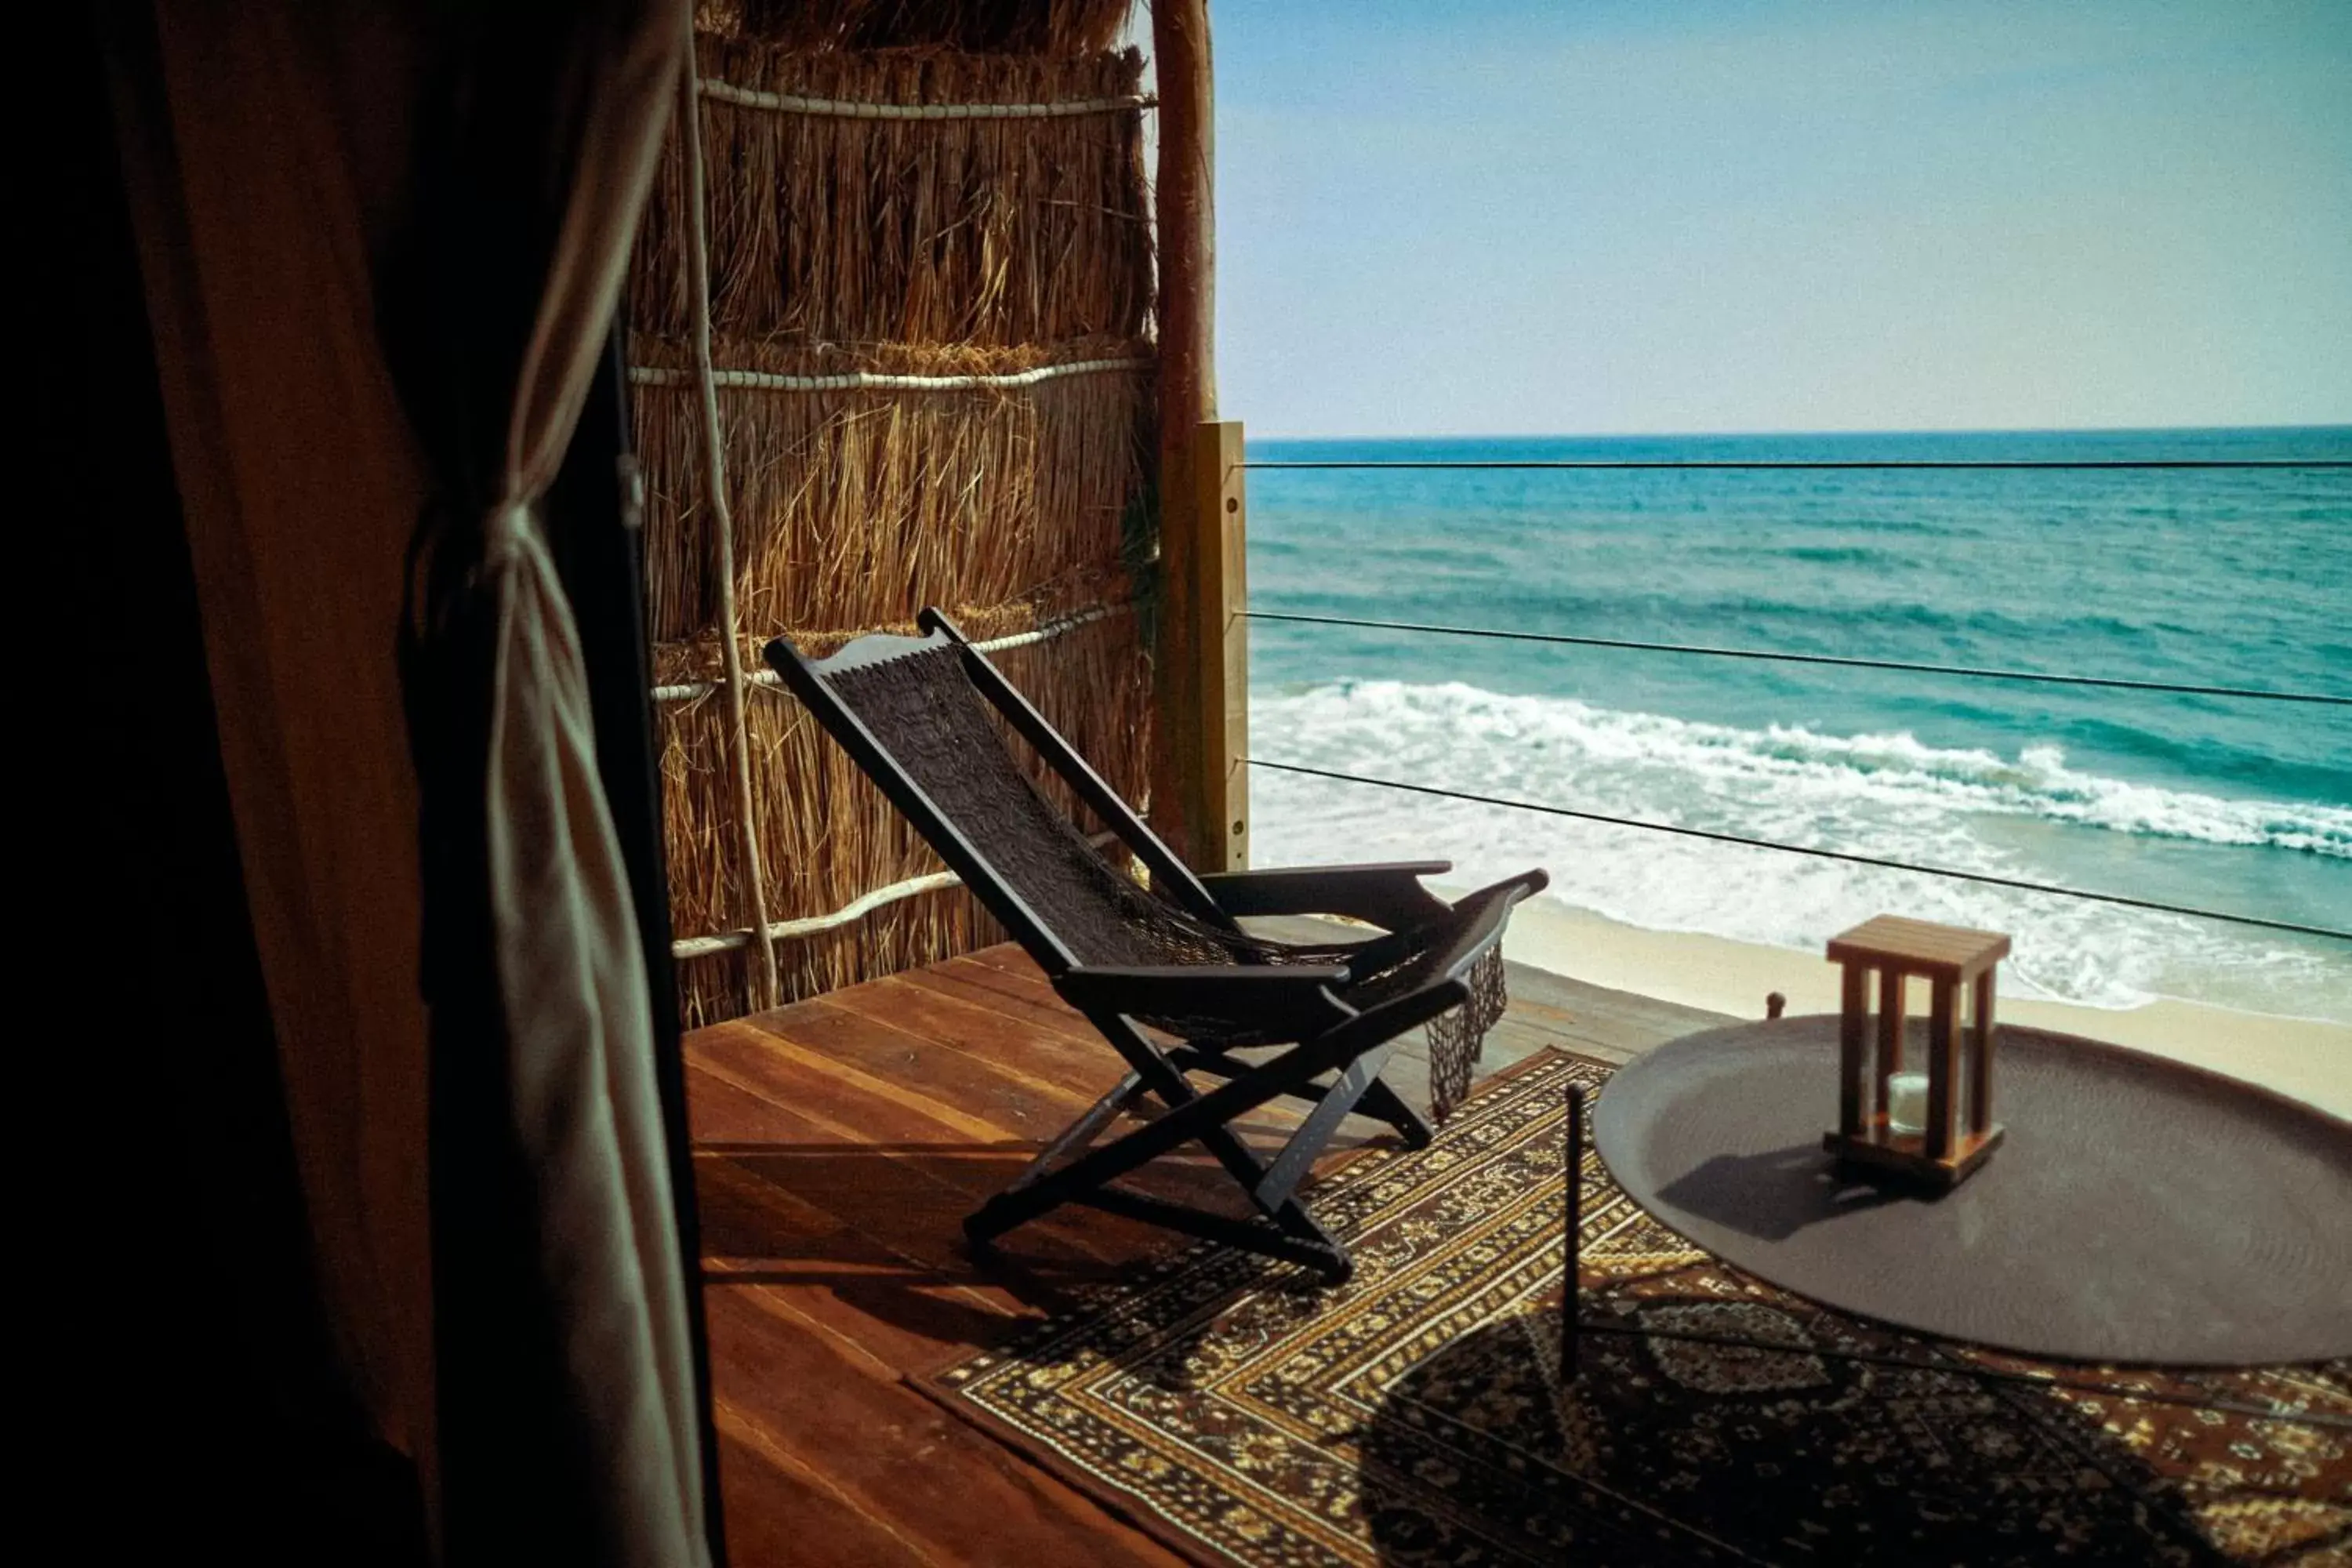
(834, 228)
(933, 388)
(980, 27)
(856, 507)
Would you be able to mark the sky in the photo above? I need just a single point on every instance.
(1587, 217)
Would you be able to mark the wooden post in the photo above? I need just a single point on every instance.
(1942, 1066)
(1185, 219)
(1981, 1062)
(1890, 1034)
(1574, 1283)
(1221, 641)
(1853, 1023)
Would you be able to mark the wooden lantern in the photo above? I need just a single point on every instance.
(1953, 1138)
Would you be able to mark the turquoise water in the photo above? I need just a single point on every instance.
(2214, 577)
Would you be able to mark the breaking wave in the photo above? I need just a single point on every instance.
(1886, 795)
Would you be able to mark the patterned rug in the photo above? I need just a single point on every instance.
(1418, 1414)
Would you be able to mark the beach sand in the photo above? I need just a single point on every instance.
(2309, 1060)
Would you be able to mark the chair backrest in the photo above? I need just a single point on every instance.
(926, 718)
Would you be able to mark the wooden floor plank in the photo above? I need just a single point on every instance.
(900, 1464)
(1010, 993)
(1006, 959)
(839, 1144)
(769, 1096)
(895, 1175)
(1023, 1106)
(806, 1083)
(779, 1514)
(893, 1314)
(1067, 1063)
(1081, 1065)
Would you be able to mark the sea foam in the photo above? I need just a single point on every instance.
(1887, 794)
(1775, 769)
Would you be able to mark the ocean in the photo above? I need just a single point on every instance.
(2218, 577)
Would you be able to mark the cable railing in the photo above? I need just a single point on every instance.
(1905, 666)
(1942, 464)
(2018, 883)
(1973, 672)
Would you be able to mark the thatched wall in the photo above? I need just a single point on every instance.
(974, 232)
(976, 27)
(904, 247)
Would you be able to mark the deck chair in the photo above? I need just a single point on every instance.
(931, 721)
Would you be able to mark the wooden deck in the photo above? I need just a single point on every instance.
(839, 1143)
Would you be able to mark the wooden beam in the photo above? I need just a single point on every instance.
(1220, 637)
(1980, 1060)
(1186, 247)
(1943, 1069)
(1853, 1023)
(1890, 1037)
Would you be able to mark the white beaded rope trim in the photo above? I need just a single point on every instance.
(874, 381)
(688, 692)
(856, 908)
(793, 103)
(707, 946)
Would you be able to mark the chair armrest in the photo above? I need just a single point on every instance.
(1389, 897)
(1290, 999)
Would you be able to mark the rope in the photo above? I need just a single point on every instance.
(856, 908)
(768, 986)
(1974, 673)
(1993, 463)
(875, 381)
(1805, 850)
(846, 109)
(688, 692)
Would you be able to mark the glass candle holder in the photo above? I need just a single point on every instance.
(1907, 1104)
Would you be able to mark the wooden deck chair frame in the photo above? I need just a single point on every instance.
(1327, 1036)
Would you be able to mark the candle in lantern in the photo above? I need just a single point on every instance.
(1907, 1104)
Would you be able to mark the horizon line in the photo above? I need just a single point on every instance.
(2331, 426)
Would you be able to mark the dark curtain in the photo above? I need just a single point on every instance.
(382, 246)
(214, 1405)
